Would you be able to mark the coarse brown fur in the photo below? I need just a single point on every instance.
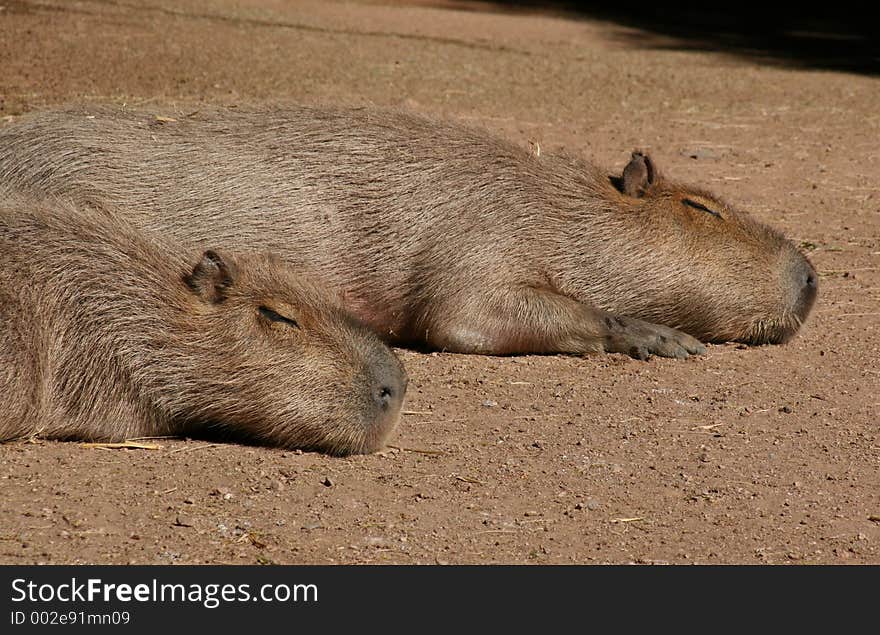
(438, 234)
(108, 332)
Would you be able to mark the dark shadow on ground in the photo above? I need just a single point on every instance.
(842, 36)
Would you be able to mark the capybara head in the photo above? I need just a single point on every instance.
(707, 268)
(290, 368)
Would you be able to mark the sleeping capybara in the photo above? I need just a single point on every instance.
(109, 332)
(437, 234)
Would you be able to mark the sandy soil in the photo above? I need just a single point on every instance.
(747, 455)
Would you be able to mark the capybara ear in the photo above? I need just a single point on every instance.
(212, 277)
(638, 175)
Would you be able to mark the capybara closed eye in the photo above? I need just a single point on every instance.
(109, 332)
(438, 234)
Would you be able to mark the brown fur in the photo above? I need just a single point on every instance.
(108, 333)
(437, 234)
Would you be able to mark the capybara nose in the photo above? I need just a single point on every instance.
(389, 387)
(812, 280)
(385, 396)
(807, 283)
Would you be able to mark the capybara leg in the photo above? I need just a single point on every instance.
(541, 321)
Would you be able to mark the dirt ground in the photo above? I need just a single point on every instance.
(746, 455)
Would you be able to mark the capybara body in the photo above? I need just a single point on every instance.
(437, 234)
(108, 332)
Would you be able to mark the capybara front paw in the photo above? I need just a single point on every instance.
(640, 339)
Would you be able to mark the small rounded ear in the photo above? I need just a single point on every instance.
(638, 175)
(211, 277)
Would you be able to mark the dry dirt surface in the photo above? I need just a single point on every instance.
(745, 455)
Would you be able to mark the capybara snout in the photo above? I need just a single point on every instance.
(383, 386)
(799, 285)
(805, 284)
(109, 332)
(388, 384)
